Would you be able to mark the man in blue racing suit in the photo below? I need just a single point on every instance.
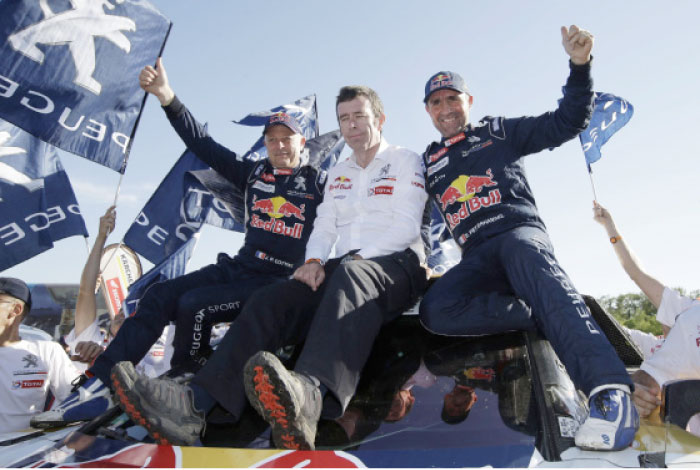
(281, 194)
(508, 275)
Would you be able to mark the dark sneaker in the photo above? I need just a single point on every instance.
(87, 402)
(288, 401)
(162, 406)
(611, 424)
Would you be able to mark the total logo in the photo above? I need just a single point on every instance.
(276, 208)
(464, 187)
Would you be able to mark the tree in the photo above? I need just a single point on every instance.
(634, 310)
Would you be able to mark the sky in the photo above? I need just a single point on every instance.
(226, 59)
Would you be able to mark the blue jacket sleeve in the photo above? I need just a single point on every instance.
(226, 162)
(551, 129)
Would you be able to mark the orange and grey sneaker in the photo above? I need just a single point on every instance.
(288, 401)
(162, 406)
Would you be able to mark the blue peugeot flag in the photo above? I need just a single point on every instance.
(171, 267)
(303, 110)
(69, 69)
(168, 219)
(609, 115)
(37, 203)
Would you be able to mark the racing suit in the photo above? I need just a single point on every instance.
(477, 179)
(280, 207)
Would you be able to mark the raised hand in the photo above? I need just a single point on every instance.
(577, 43)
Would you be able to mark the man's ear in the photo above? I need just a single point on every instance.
(471, 101)
(382, 120)
(302, 141)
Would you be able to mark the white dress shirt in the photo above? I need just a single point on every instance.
(377, 210)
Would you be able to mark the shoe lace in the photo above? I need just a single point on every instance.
(269, 400)
(602, 404)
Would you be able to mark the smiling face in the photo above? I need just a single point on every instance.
(449, 111)
(361, 129)
(284, 146)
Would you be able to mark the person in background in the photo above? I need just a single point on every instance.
(678, 356)
(29, 370)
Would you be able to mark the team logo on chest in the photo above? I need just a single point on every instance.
(463, 190)
(278, 208)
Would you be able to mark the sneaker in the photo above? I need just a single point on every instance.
(162, 406)
(611, 424)
(288, 401)
(87, 402)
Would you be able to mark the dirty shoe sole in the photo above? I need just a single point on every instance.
(269, 393)
(161, 430)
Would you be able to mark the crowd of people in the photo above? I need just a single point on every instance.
(328, 259)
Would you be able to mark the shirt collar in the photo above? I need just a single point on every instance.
(383, 145)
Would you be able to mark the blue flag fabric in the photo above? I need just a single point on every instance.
(69, 69)
(610, 114)
(172, 267)
(37, 203)
(175, 212)
(440, 259)
(303, 110)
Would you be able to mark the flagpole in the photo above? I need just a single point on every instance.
(590, 176)
(121, 242)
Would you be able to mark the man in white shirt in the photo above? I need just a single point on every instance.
(372, 212)
(28, 369)
(678, 356)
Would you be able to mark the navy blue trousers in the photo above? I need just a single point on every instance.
(484, 294)
(338, 323)
(194, 302)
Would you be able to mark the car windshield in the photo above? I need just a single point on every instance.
(421, 391)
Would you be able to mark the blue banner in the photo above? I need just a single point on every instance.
(303, 110)
(441, 257)
(69, 72)
(37, 203)
(173, 266)
(175, 212)
(610, 114)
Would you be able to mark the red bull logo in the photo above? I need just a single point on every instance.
(136, 456)
(440, 80)
(480, 373)
(277, 207)
(464, 188)
(341, 182)
(279, 117)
